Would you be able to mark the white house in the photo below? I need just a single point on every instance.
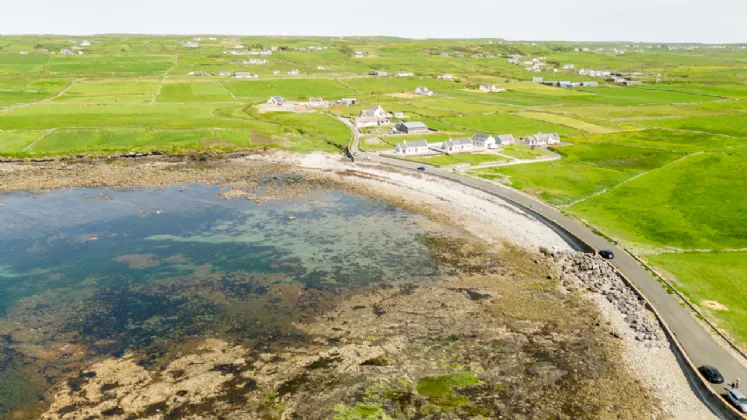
(372, 117)
(399, 114)
(413, 127)
(412, 147)
(316, 102)
(379, 73)
(258, 61)
(537, 79)
(484, 141)
(224, 73)
(191, 44)
(458, 145)
(504, 139)
(85, 44)
(294, 71)
(491, 88)
(276, 72)
(245, 75)
(198, 73)
(238, 47)
(404, 74)
(276, 100)
(24, 52)
(590, 84)
(541, 139)
(444, 54)
(422, 90)
(66, 51)
(320, 67)
(360, 54)
(347, 101)
(446, 76)
(569, 67)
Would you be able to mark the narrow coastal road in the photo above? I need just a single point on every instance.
(700, 346)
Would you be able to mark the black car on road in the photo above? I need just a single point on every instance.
(421, 168)
(711, 374)
(606, 254)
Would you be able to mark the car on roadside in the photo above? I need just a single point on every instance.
(606, 254)
(421, 168)
(711, 374)
(738, 399)
(355, 153)
(367, 157)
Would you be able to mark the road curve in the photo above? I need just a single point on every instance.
(701, 347)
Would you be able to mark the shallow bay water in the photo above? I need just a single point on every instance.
(93, 273)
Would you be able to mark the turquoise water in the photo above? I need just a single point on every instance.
(89, 273)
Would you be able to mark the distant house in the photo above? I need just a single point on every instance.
(276, 100)
(446, 76)
(443, 54)
(484, 141)
(316, 102)
(569, 67)
(458, 145)
(66, 51)
(372, 117)
(413, 127)
(537, 79)
(191, 44)
(590, 84)
(491, 88)
(348, 101)
(412, 147)
(504, 139)
(379, 73)
(459, 55)
(422, 90)
(320, 67)
(404, 74)
(258, 61)
(225, 73)
(361, 54)
(198, 73)
(294, 71)
(399, 114)
(276, 72)
(245, 75)
(24, 52)
(541, 139)
(238, 47)
(565, 84)
(85, 43)
(632, 82)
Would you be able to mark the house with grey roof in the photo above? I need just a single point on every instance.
(412, 147)
(504, 139)
(537, 79)
(422, 90)
(245, 75)
(542, 139)
(411, 127)
(458, 145)
(484, 141)
(317, 102)
(404, 74)
(224, 73)
(276, 100)
(565, 84)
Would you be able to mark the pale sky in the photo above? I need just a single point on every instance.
(708, 21)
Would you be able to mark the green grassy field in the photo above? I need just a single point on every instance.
(714, 282)
(471, 159)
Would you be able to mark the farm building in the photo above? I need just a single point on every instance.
(484, 141)
(446, 76)
(404, 74)
(569, 67)
(347, 101)
(276, 100)
(399, 114)
(224, 73)
(537, 79)
(565, 84)
(541, 139)
(413, 127)
(422, 90)
(590, 84)
(491, 88)
(413, 147)
(316, 102)
(504, 139)
(458, 145)
(379, 73)
(245, 75)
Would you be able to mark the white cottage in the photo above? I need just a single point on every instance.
(413, 147)
(504, 139)
(422, 90)
(458, 145)
(484, 141)
(276, 100)
(541, 139)
(316, 102)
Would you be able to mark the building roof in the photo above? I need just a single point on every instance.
(415, 143)
(315, 100)
(414, 125)
(505, 137)
(277, 98)
(480, 137)
(460, 141)
(243, 74)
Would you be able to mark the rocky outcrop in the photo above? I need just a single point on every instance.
(580, 271)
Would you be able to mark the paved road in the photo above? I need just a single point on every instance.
(700, 346)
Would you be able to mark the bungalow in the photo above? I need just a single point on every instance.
(413, 147)
(85, 44)
(245, 75)
(66, 51)
(24, 52)
(458, 145)
(491, 88)
(632, 82)
(399, 114)
(258, 61)
(276, 100)
(316, 102)
(379, 73)
(590, 84)
(404, 74)
(444, 54)
(414, 127)
(541, 139)
(225, 73)
(348, 101)
(360, 54)
(537, 79)
(504, 139)
(320, 67)
(238, 47)
(191, 44)
(459, 55)
(569, 67)
(276, 72)
(484, 141)
(446, 76)
(294, 71)
(198, 73)
(422, 90)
